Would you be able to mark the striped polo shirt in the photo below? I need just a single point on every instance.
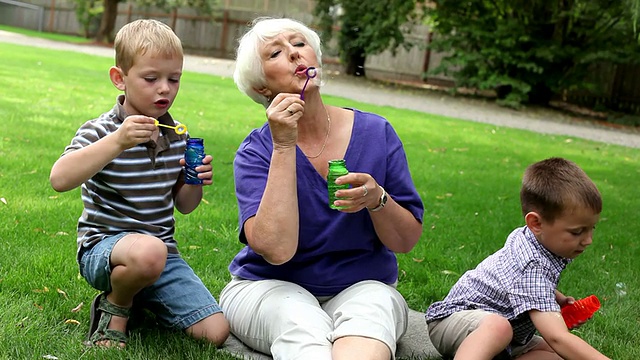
(133, 193)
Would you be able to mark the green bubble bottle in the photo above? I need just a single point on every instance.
(337, 168)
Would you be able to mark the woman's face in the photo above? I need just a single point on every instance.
(285, 59)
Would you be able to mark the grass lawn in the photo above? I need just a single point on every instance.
(468, 175)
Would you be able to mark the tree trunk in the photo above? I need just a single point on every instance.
(108, 23)
(355, 63)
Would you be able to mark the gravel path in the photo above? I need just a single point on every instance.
(539, 120)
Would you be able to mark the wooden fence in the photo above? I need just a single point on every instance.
(616, 87)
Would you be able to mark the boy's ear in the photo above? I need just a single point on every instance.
(534, 222)
(117, 77)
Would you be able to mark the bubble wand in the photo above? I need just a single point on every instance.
(180, 129)
(311, 73)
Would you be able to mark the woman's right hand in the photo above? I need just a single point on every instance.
(283, 115)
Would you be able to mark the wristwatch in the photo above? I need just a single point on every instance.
(383, 201)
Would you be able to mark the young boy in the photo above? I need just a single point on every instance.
(130, 172)
(496, 308)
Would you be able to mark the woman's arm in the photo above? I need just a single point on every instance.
(273, 231)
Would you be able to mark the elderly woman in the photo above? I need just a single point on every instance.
(313, 282)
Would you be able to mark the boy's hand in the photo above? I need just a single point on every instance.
(135, 129)
(205, 171)
(565, 300)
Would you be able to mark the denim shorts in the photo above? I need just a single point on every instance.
(179, 299)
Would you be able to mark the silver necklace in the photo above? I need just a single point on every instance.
(325, 139)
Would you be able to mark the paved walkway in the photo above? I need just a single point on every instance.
(538, 120)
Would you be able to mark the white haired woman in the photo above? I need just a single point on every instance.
(313, 282)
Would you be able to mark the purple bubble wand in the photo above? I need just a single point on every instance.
(311, 73)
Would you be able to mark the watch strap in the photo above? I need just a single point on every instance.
(383, 201)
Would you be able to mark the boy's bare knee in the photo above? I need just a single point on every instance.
(497, 325)
(138, 260)
(214, 329)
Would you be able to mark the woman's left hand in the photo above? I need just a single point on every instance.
(363, 193)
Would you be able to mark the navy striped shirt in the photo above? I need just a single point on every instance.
(133, 193)
(520, 277)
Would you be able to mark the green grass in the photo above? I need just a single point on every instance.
(467, 173)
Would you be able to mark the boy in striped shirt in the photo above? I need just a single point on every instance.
(130, 174)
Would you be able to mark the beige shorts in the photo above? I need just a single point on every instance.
(447, 334)
(286, 321)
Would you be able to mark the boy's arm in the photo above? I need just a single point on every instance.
(76, 167)
(569, 346)
(188, 197)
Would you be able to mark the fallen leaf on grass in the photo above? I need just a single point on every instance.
(50, 357)
(205, 201)
(38, 306)
(418, 260)
(449, 272)
(43, 290)
(194, 247)
(4, 201)
(21, 322)
(61, 233)
(77, 308)
(62, 293)
(72, 321)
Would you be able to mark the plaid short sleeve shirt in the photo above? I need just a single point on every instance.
(521, 276)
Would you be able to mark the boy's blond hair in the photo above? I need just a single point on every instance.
(140, 36)
(554, 185)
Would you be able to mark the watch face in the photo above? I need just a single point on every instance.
(383, 198)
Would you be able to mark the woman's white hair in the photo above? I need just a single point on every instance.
(249, 74)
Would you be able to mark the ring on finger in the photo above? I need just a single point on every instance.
(290, 111)
(366, 191)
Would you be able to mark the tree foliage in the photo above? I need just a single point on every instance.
(529, 49)
(365, 27)
(634, 6)
(88, 13)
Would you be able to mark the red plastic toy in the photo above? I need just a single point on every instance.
(580, 311)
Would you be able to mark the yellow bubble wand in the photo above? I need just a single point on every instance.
(180, 129)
